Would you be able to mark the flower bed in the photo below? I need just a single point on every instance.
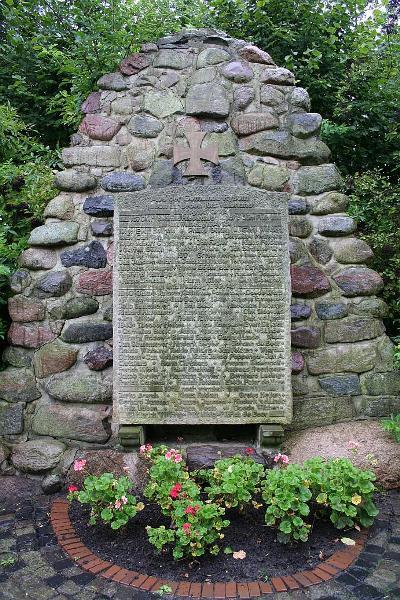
(236, 521)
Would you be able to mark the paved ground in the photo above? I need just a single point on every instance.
(33, 566)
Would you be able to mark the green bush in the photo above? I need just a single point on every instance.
(168, 477)
(196, 527)
(26, 186)
(392, 425)
(234, 481)
(109, 499)
(375, 204)
(286, 493)
(343, 491)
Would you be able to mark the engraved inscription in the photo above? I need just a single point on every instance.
(202, 306)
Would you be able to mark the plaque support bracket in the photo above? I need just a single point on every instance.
(131, 436)
(270, 436)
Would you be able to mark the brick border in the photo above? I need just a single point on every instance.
(72, 545)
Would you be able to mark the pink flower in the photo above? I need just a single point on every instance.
(352, 445)
(283, 458)
(178, 458)
(168, 455)
(186, 528)
(142, 449)
(249, 451)
(72, 488)
(79, 465)
(124, 500)
(192, 510)
(118, 504)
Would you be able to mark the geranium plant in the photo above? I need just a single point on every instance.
(110, 498)
(234, 481)
(287, 493)
(196, 527)
(343, 490)
(168, 471)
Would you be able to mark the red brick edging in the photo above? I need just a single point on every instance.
(74, 547)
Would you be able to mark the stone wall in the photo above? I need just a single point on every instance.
(56, 392)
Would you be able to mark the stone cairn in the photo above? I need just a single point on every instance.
(56, 393)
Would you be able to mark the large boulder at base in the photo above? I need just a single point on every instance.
(36, 456)
(18, 385)
(73, 422)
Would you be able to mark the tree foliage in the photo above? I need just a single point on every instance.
(345, 52)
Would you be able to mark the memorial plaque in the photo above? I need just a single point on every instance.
(202, 304)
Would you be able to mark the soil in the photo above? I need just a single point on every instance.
(265, 557)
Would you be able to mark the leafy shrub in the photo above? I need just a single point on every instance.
(234, 481)
(287, 493)
(109, 499)
(392, 425)
(343, 490)
(375, 204)
(168, 476)
(26, 185)
(196, 527)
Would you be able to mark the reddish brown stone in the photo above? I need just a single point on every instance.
(99, 128)
(96, 283)
(359, 281)
(306, 337)
(25, 309)
(297, 363)
(308, 281)
(134, 63)
(30, 336)
(92, 103)
(53, 358)
(255, 54)
(99, 358)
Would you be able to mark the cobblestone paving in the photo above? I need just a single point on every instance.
(33, 566)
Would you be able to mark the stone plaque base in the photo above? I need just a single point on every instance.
(202, 304)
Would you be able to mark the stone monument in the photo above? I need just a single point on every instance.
(204, 146)
(202, 311)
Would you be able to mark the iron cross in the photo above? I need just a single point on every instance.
(195, 153)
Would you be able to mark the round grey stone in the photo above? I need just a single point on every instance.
(237, 71)
(102, 228)
(74, 181)
(52, 483)
(99, 206)
(320, 250)
(75, 307)
(205, 99)
(56, 283)
(11, 419)
(80, 386)
(54, 234)
(299, 312)
(81, 333)
(18, 385)
(145, 126)
(93, 256)
(297, 206)
(336, 225)
(18, 357)
(327, 310)
(340, 385)
(19, 281)
(113, 81)
(36, 456)
(122, 182)
(242, 97)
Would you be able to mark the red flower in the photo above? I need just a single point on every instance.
(175, 490)
(186, 528)
(72, 488)
(249, 451)
(192, 510)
